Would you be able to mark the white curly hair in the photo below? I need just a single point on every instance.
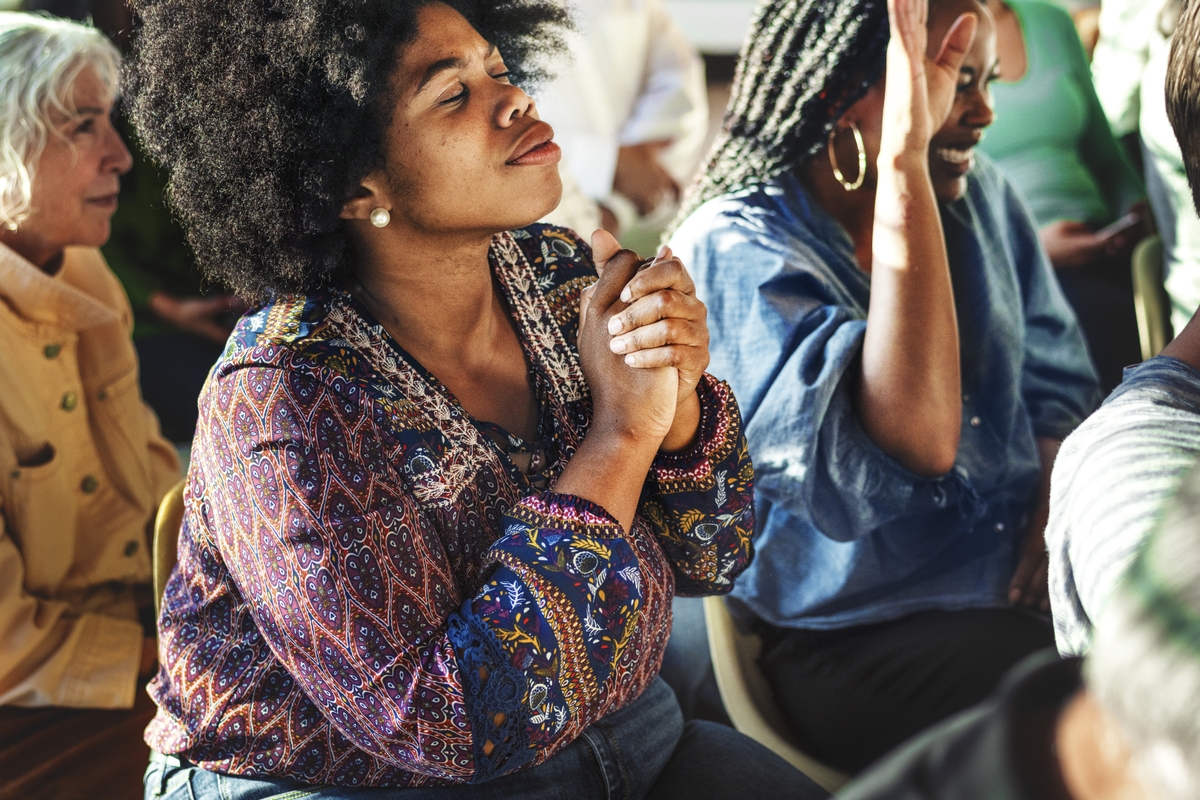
(40, 58)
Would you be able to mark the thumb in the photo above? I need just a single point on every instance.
(604, 247)
(957, 42)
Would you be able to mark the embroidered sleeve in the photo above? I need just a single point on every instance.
(700, 501)
(351, 586)
(537, 644)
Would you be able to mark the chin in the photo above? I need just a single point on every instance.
(950, 189)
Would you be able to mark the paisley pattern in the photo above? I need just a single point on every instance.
(369, 593)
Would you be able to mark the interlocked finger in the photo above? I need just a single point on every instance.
(662, 333)
(663, 304)
(686, 358)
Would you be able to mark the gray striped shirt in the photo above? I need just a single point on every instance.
(1109, 485)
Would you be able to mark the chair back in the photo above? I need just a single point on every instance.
(166, 539)
(1150, 299)
(747, 696)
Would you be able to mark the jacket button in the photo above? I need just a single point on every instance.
(131, 548)
(52, 350)
(69, 401)
(89, 484)
(976, 422)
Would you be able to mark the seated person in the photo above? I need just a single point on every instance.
(82, 464)
(1122, 724)
(905, 390)
(1117, 470)
(437, 511)
(1052, 140)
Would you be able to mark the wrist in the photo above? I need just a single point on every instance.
(685, 426)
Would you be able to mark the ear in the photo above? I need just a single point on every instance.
(370, 195)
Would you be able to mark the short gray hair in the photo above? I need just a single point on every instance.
(40, 58)
(1144, 668)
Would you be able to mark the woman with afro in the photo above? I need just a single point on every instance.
(906, 363)
(436, 511)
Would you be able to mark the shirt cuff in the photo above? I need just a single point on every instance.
(717, 436)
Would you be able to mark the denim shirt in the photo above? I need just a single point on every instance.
(846, 535)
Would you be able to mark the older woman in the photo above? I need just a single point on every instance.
(82, 464)
(908, 365)
(436, 511)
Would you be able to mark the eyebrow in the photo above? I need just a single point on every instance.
(438, 67)
(86, 110)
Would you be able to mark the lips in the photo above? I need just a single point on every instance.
(106, 201)
(536, 147)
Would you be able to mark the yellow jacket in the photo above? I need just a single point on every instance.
(82, 468)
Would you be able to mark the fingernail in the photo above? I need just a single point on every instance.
(618, 345)
(662, 252)
(614, 325)
(626, 294)
(629, 360)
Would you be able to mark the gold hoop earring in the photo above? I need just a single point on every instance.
(862, 159)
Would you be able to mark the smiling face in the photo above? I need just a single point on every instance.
(952, 149)
(465, 151)
(76, 179)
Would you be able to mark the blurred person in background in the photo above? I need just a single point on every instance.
(906, 363)
(82, 463)
(630, 109)
(1124, 724)
(180, 321)
(1117, 470)
(1053, 141)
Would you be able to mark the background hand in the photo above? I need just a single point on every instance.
(204, 316)
(641, 177)
(1071, 244)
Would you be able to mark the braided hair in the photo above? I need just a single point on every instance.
(804, 63)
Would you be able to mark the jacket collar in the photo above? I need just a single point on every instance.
(52, 299)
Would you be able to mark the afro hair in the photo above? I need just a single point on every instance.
(267, 114)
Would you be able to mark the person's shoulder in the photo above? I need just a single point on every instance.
(1161, 381)
(284, 331)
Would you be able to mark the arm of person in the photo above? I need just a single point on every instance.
(908, 394)
(51, 657)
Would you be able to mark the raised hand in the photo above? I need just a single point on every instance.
(920, 90)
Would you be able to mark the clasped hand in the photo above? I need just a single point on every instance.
(643, 344)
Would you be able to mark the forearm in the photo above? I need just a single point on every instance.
(908, 395)
(609, 469)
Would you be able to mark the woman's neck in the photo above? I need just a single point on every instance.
(435, 297)
(46, 257)
(854, 211)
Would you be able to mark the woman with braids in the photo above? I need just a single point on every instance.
(445, 481)
(906, 362)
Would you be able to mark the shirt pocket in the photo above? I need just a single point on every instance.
(41, 521)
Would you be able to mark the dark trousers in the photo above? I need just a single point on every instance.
(851, 695)
(74, 754)
(1102, 296)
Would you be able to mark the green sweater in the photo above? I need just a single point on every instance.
(1051, 136)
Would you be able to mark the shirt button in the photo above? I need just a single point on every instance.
(89, 484)
(966, 397)
(999, 527)
(976, 422)
(130, 549)
(69, 401)
(52, 350)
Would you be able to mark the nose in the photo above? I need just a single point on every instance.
(980, 113)
(513, 104)
(117, 156)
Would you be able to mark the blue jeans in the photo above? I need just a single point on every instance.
(645, 750)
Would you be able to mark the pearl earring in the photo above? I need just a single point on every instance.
(380, 217)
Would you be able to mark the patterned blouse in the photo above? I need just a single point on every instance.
(370, 593)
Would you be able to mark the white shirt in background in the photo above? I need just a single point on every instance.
(631, 77)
